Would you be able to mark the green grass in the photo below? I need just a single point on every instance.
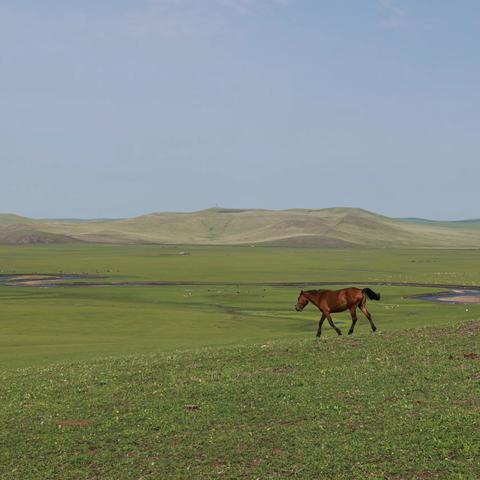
(386, 406)
(53, 325)
(49, 325)
(227, 381)
(246, 264)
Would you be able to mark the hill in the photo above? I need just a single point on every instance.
(21, 234)
(331, 227)
(390, 406)
(12, 219)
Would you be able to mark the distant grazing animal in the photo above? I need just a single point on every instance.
(332, 301)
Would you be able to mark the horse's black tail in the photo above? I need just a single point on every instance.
(371, 294)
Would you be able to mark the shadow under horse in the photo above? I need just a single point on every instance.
(333, 301)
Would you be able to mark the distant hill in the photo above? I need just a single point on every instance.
(12, 219)
(330, 227)
(27, 235)
(452, 223)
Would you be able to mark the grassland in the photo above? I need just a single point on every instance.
(45, 325)
(227, 380)
(387, 406)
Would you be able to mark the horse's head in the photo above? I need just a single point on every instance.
(301, 302)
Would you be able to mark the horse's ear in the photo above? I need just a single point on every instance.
(301, 292)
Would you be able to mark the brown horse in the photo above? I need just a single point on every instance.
(332, 301)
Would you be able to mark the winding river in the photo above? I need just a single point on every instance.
(453, 294)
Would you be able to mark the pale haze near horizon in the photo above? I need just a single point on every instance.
(120, 108)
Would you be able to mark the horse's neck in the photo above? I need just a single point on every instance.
(313, 297)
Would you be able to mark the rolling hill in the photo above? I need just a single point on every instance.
(330, 227)
(25, 234)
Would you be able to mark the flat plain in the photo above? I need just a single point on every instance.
(250, 297)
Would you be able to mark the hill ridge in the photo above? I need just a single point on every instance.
(324, 227)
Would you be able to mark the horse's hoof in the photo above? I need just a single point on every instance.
(350, 333)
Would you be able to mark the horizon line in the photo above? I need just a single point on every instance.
(412, 218)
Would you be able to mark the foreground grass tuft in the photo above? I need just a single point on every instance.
(391, 406)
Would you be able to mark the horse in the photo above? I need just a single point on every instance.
(333, 301)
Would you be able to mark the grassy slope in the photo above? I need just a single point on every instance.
(31, 235)
(366, 407)
(17, 230)
(12, 219)
(325, 227)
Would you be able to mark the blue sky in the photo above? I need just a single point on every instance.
(119, 108)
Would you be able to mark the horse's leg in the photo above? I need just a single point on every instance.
(330, 321)
(320, 323)
(353, 313)
(363, 308)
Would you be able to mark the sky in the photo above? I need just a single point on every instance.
(117, 108)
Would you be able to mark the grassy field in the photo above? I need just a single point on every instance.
(246, 264)
(386, 406)
(227, 380)
(45, 325)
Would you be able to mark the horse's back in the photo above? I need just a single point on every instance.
(354, 292)
(350, 293)
(339, 300)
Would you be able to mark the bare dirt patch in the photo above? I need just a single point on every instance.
(471, 356)
(256, 462)
(467, 356)
(470, 328)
